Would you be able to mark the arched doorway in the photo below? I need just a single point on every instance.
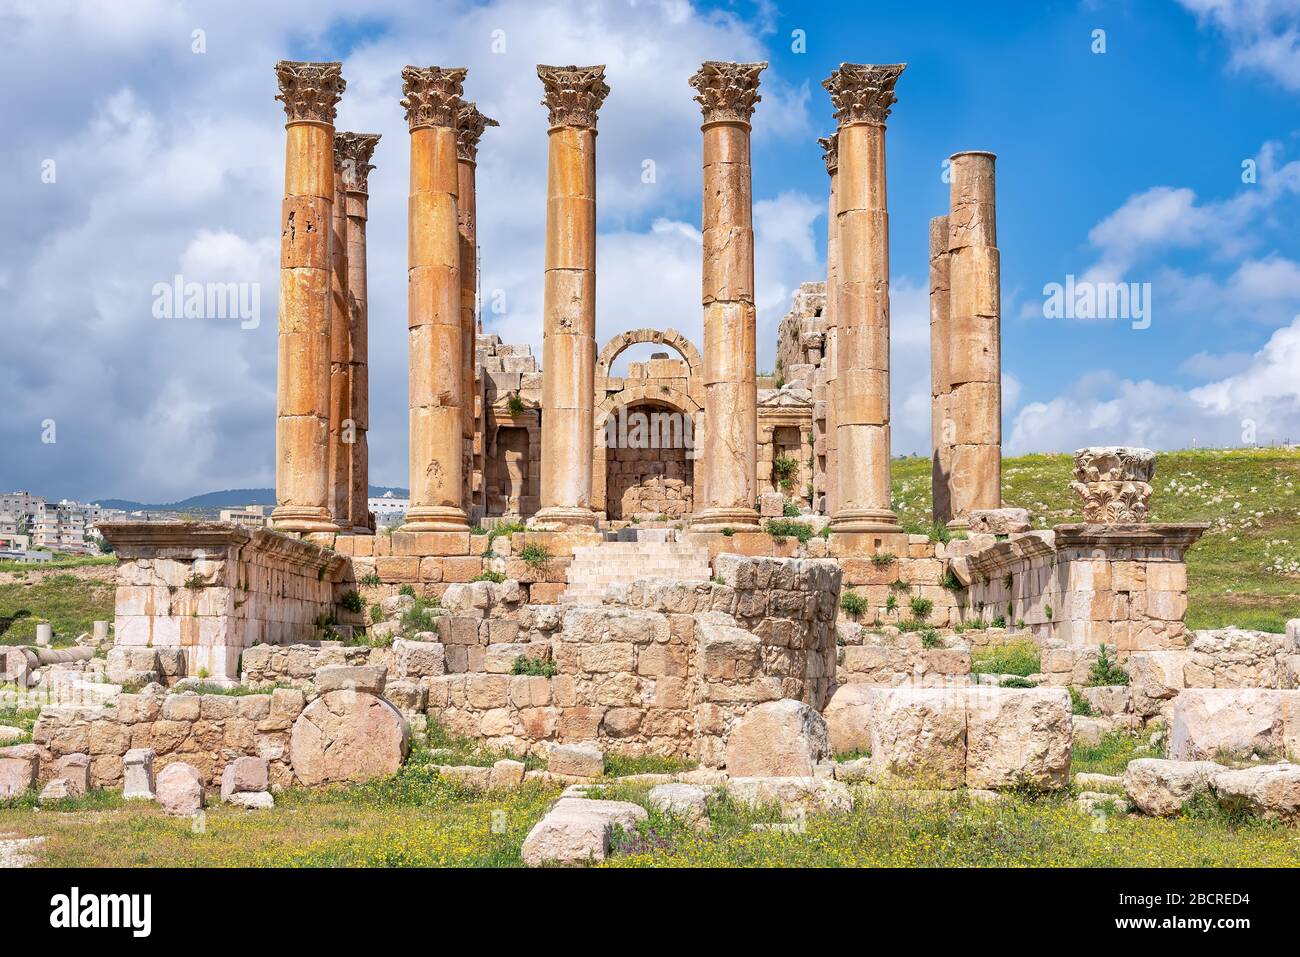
(649, 462)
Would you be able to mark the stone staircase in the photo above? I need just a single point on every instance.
(595, 567)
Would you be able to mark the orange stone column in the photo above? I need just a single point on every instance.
(830, 145)
(863, 95)
(310, 93)
(470, 126)
(727, 94)
(357, 148)
(573, 96)
(433, 289)
(974, 359)
(941, 424)
(340, 354)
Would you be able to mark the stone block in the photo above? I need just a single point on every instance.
(584, 760)
(778, 739)
(1018, 737)
(180, 789)
(245, 774)
(1160, 787)
(369, 679)
(138, 780)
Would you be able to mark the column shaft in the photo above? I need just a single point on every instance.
(941, 426)
(310, 92)
(340, 433)
(830, 354)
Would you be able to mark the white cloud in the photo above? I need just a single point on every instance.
(1263, 35)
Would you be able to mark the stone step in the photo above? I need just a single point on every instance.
(595, 567)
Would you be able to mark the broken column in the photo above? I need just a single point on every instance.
(727, 94)
(357, 149)
(340, 353)
(974, 354)
(573, 96)
(436, 384)
(941, 425)
(863, 95)
(310, 93)
(830, 480)
(470, 126)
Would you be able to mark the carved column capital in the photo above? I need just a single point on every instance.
(1114, 483)
(573, 94)
(470, 124)
(831, 151)
(432, 95)
(310, 91)
(727, 92)
(352, 152)
(863, 92)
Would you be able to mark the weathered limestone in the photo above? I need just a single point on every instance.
(972, 340)
(1208, 723)
(583, 760)
(1018, 740)
(848, 718)
(578, 831)
(18, 768)
(1161, 788)
(778, 739)
(340, 338)
(180, 789)
(1269, 791)
(863, 95)
(436, 352)
(573, 95)
(1114, 483)
(245, 775)
(302, 480)
(138, 779)
(727, 94)
(470, 126)
(831, 154)
(357, 148)
(348, 736)
(918, 738)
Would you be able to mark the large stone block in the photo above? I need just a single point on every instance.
(918, 738)
(246, 774)
(778, 739)
(138, 780)
(1018, 738)
(1270, 790)
(347, 736)
(1160, 787)
(848, 718)
(578, 831)
(180, 789)
(19, 764)
(1233, 722)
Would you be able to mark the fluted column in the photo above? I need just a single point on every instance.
(727, 94)
(863, 95)
(340, 353)
(941, 425)
(357, 148)
(830, 355)
(975, 337)
(310, 93)
(433, 288)
(573, 96)
(470, 126)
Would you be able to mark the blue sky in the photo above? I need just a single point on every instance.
(1119, 166)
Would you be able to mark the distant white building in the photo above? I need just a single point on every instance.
(388, 508)
(250, 516)
(63, 526)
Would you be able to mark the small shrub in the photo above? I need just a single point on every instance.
(921, 607)
(1106, 670)
(1047, 610)
(1079, 704)
(930, 637)
(369, 579)
(880, 559)
(891, 602)
(1012, 658)
(784, 469)
(782, 528)
(418, 617)
(376, 613)
(853, 603)
(536, 667)
(728, 532)
(195, 582)
(351, 601)
(790, 510)
(1017, 682)
(951, 581)
(515, 404)
(486, 576)
(407, 590)
(535, 555)
(998, 622)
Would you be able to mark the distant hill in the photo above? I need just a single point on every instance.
(227, 498)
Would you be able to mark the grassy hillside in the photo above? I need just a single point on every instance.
(1245, 571)
(70, 595)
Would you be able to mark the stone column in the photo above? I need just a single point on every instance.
(573, 96)
(974, 360)
(941, 425)
(310, 93)
(830, 355)
(727, 93)
(470, 126)
(357, 149)
(863, 95)
(433, 289)
(340, 353)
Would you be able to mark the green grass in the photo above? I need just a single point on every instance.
(23, 719)
(621, 765)
(70, 603)
(57, 564)
(1019, 657)
(1111, 756)
(1245, 571)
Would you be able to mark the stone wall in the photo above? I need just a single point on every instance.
(214, 589)
(868, 656)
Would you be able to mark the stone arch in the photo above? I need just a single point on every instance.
(631, 337)
(663, 397)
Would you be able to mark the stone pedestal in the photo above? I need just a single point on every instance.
(831, 146)
(973, 363)
(573, 96)
(863, 95)
(310, 92)
(436, 353)
(727, 93)
(357, 148)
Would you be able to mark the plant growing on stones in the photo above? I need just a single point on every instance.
(783, 528)
(853, 603)
(369, 579)
(1047, 610)
(1020, 657)
(407, 590)
(376, 613)
(1079, 705)
(535, 555)
(351, 601)
(1106, 670)
(930, 637)
(418, 618)
(515, 404)
(488, 576)
(1015, 681)
(998, 622)
(784, 470)
(881, 559)
(891, 603)
(898, 585)
(921, 607)
(728, 532)
(790, 510)
(535, 667)
(951, 581)
(195, 582)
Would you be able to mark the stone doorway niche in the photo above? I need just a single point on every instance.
(786, 444)
(508, 471)
(647, 483)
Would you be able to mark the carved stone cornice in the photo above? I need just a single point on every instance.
(432, 95)
(352, 152)
(863, 92)
(831, 151)
(310, 91)
(573, 94)
(470, 124)
(727, 92)
(1114, 483)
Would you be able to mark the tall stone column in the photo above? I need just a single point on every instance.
(340, 353)
(830, 355)
(470, 126)
(974, 357)
(727, 94)
(310, 93)
(941, 424)
(357, 148)
(573, 96)
(863, 95)
(433, 289)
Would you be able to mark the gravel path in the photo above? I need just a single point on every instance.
(12, 850)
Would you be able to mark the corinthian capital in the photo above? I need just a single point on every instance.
(352, 152)
(727, 91)
(470, 124)
(432, 94)
(831, 151)
(863, 92)
(310, 91)
(573, 94)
